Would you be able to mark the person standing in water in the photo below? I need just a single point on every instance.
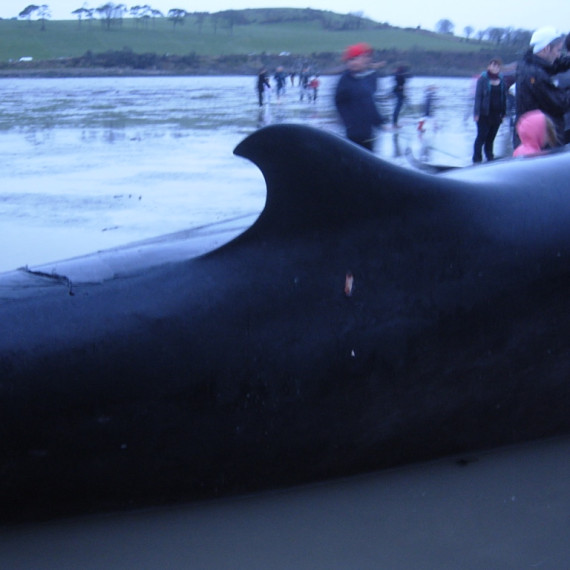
(280, 80)
(489, 109)
(262, 84)
(400, 78)
(354, 95)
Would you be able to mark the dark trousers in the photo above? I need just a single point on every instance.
(399, 104)
(487, 129)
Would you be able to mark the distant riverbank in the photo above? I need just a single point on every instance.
(126, 63)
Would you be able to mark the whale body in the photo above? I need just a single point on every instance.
(371, 316)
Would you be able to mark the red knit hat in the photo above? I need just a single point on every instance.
(357, 49)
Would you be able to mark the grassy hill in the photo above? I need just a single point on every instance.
(252, 33)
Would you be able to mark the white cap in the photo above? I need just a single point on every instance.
(542, 37)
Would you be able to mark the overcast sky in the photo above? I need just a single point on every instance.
(480, 15)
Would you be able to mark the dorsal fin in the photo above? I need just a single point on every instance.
(316, 179)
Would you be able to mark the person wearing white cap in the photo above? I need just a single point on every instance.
(534, 86)
(547, 42)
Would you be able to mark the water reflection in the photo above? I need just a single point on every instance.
(397, 147)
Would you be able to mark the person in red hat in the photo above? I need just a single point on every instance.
(354, 96)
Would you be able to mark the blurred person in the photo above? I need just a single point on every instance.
(535, 88)
(536, 132)
(489, 109)
(562, 81)
(280, 81)
(511, 104)
(354, 95)
(400, 78)
(314, 85)
(428, 107)
(262, 85)
(304, 83)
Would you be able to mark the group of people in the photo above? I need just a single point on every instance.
(308, 83)
(542, 97)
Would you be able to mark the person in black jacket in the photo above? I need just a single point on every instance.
(354, 96)
(535, 88)
(489, 109)
(400, 77)
(262, 85)
(562, 81)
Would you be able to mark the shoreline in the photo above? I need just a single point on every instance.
(118, 64)
(87, 72)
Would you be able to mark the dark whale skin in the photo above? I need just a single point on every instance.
(251, 368)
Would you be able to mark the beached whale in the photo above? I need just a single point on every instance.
(371, 316)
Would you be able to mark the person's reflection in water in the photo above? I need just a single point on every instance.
(397, 147)
(264, 116)
(425, 147)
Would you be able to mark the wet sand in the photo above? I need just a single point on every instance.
(503, 509)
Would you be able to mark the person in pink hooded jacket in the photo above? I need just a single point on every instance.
(536, 132)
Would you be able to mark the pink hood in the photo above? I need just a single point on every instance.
(531, 128)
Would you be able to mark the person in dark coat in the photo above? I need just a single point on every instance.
(262, 84)
(280, 80)
(489, 109)
(354, 95)
(562, 81)
(535, 88)
(400, 78)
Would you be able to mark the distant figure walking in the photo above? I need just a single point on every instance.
(400, 77)
(280, 81)
(429, 105)
(262, 84)
(304, 83)
(489, 109)
(314, 84)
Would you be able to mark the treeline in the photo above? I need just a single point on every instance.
(112, 15)
(127, 59)
(510, 37)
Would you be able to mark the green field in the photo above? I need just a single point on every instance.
(62, 39)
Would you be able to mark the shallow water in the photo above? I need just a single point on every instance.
(93, 163)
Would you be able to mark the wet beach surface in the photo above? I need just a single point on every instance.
(94, 163)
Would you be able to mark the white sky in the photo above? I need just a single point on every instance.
(480, 14)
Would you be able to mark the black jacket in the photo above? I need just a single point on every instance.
(354, 99)
(536, 90)
(482, 103)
